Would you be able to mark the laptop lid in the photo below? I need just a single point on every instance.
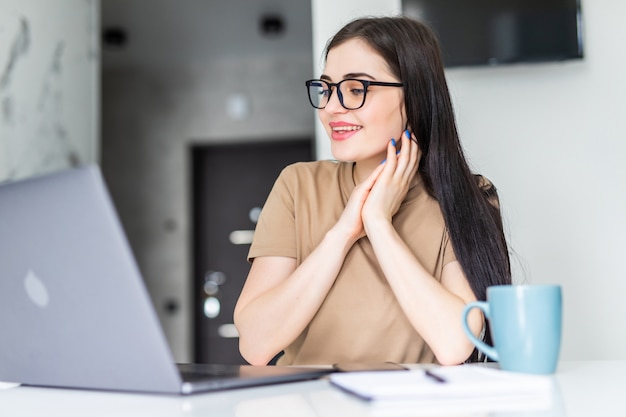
(74, 310)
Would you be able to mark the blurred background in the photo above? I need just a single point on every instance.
(200, 112)
(192, 108)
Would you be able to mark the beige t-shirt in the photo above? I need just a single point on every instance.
(360, 319)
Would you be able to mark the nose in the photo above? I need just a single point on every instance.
(334, 104)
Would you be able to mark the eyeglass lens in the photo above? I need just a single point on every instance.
(351, 93)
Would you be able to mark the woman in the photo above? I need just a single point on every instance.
(372, 258)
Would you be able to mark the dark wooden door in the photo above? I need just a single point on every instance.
(230, 185)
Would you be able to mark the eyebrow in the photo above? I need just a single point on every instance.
(349, 75)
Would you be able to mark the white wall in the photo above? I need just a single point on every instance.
(552, 137)
(48, 85)
(328, 17)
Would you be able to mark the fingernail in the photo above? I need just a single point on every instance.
(408, 135)
(393, 142)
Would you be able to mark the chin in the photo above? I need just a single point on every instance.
(341, 156)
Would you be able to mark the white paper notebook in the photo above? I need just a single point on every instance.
(464, 385)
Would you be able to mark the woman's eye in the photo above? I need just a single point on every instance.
(357, 91)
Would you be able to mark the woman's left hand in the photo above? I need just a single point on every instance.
(418, 292)
(393, 183)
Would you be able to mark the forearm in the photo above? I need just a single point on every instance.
(433, 310)
(271, 320)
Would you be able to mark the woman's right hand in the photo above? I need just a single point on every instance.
(350, 223)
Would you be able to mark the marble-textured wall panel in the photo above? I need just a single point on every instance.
(49, 91)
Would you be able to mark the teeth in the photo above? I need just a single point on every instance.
(346, 128)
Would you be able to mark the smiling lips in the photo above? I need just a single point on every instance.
(342, 130)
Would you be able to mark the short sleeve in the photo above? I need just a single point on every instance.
(274, 234)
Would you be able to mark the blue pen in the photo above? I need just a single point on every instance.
(437, 378)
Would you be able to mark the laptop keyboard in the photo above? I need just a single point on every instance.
(199, 372)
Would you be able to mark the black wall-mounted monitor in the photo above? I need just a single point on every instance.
(495, 32)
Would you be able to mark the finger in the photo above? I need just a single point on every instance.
(405, 157)
(390, 163)
(411, 155)
(376, 173)
(392, 149)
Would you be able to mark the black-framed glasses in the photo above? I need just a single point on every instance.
(351, 92)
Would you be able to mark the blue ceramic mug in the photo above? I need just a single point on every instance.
(525, 323)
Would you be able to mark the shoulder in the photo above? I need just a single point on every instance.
(315, 167)
(304, 180)
(314, 170)
(488, 189)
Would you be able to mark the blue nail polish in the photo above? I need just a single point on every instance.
(393, 142)
(408, 135)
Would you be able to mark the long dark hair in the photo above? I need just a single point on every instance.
(469, 204)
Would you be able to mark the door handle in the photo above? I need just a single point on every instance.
(228, 331)
(241, 237)
(212, 280)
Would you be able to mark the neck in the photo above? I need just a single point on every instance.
(362, 169)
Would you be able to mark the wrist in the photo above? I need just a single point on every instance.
(339, 237)
(374, 225)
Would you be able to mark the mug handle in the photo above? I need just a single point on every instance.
(490, 351)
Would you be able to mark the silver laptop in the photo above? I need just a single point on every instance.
(74, 311)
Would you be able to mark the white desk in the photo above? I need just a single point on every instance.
(585, 389)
